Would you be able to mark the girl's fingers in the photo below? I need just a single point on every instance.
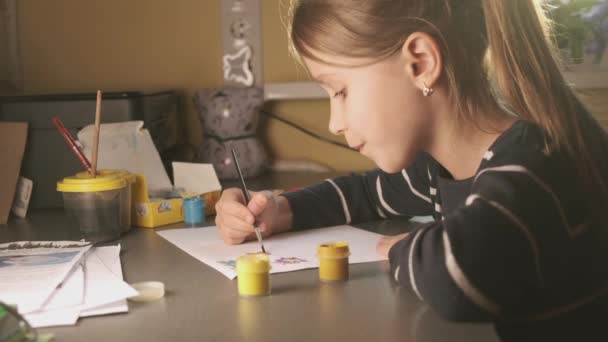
(238, 210)
(231, 223)
(258, 203)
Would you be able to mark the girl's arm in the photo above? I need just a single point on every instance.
(519, 247)
(363, 197)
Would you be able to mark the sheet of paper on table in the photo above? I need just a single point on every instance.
(288, 252)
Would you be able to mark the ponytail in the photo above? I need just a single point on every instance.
(528, 78)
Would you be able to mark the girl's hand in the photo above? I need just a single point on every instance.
(386, 242)
(235, 218)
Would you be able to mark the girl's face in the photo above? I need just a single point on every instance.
(379, 110)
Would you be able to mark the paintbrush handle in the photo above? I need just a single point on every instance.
(70, 141)
(246, 196)
(96, 134)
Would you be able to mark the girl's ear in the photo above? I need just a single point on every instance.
(423, 62)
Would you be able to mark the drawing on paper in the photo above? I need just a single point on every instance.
(267, 253)
(47, 259)
(289, 261)
(228, 263)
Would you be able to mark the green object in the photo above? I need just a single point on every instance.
(571, 31)
(14, 328)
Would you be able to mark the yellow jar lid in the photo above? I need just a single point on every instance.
(253, 263)
(130, 177)
(75, 184)
(333, 250)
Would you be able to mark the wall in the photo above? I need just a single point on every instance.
(76, 46)
(84, 45)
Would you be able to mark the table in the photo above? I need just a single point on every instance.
(203, 305)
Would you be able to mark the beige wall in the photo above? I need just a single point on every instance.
(84, 45)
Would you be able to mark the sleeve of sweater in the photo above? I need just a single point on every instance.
(481, 260)
(363, 197)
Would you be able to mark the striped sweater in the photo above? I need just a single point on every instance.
(510, 245)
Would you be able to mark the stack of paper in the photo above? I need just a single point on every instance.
(54, 283)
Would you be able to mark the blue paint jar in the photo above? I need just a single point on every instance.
(194, 210)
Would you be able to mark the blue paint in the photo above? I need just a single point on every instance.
(194, 210)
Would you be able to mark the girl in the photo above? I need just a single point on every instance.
(462, 106)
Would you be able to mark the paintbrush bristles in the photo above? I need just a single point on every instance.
(96, 134)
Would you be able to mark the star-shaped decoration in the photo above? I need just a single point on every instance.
(237, 67)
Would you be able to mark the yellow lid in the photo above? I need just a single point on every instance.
(75, 184)
(253, 263)
(130, 177)
(333, 250)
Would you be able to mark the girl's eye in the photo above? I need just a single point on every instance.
(340, 93)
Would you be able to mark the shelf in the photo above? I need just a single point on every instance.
(293, 91)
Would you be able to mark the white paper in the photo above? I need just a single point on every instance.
(127, 146)
(30, 271)
(288, 252)
(94, 288)
(111, 258)
(53, 318)
(110, 255)
(68, 294)
(102, 285)
(195, 178)
(63, 306)
(112, 308)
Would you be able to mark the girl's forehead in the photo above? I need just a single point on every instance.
(330, 72)
(326, 62)
(320, 71)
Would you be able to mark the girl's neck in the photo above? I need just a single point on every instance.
(460, 147)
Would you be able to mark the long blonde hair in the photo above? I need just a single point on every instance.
(495, 52)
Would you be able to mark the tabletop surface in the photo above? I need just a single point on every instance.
(201, 304)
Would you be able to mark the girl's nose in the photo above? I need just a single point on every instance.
(336, 122)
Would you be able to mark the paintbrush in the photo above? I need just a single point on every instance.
(247, 199)
(96, 135)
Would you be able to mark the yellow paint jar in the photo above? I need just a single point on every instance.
(253, 275)
(333, 261)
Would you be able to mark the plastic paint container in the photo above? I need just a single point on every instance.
(149, 291)
(127, 196)
(194, 210)
(95, 206)
(253, 275)
(333, 261)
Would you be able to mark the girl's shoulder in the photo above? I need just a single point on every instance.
(523, 144)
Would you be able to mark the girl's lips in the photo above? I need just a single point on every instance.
(358, 147)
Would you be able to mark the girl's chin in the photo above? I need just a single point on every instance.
(390, 165)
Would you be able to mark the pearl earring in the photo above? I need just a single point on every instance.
(426, 91)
